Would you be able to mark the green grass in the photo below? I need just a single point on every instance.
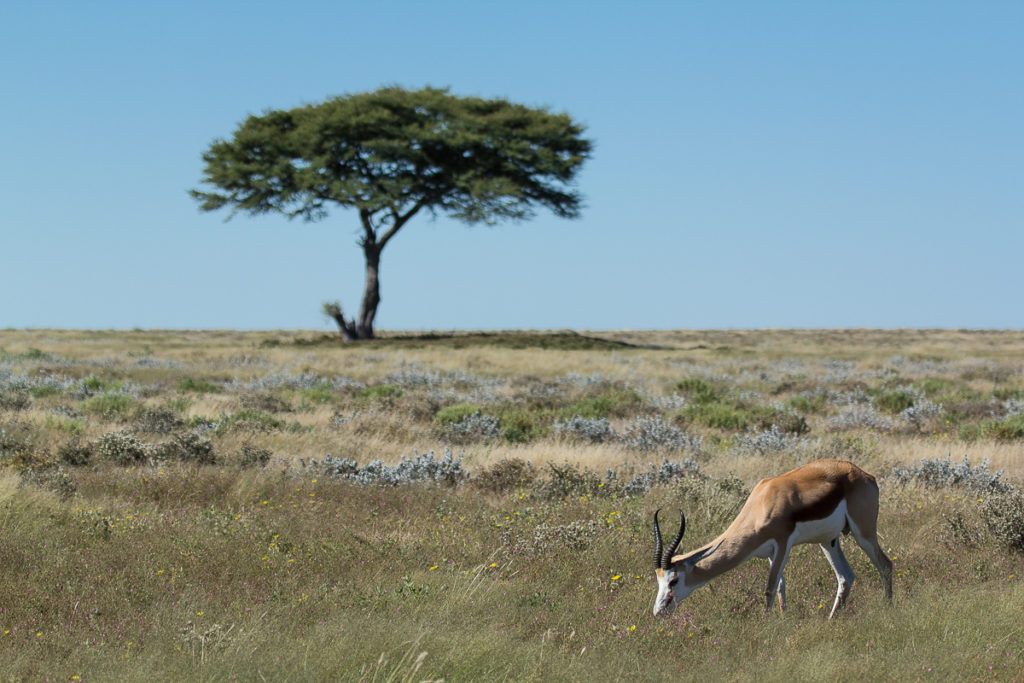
(261, 568)
(109, 405)
(610, 403)
(200, 386)
(209, 573)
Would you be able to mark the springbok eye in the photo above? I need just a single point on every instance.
(673, 582)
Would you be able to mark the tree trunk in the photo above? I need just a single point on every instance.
(361, 327)
(371, 294)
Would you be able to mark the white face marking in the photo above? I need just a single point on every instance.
(667, 581)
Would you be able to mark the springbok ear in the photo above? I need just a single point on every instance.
(697, 557)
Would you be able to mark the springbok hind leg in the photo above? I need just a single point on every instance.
(881, 561)
(862, 518)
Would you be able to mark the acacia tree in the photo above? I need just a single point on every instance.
(391, 154)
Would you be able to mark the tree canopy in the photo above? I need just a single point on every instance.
(392, 153)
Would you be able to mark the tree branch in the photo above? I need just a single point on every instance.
(400, 220)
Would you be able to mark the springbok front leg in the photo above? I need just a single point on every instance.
(776, 580)
(844, 573)
(781, 592)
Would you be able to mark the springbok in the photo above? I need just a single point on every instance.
(811, 504)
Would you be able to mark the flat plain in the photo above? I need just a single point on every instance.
(218, 505)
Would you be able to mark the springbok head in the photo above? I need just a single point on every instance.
(665, 571)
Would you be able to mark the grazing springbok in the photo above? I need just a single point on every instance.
(811, 504)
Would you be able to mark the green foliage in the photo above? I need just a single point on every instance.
(937, 387)
(455, 413)
(198, 386)
(95, 385)
(393, 152)
(379, 392)
(1009, 428)
(807, 405)
(611, 403)
(718, 415)
(894, 402)
(786, 421)
(519, 425)
(73, 426)
(251, 420)
(35, 354)
(320, 394)
(698, 390)
(109, 405)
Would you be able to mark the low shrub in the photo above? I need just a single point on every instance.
(520, 425)
(75, 452)
(18, 448)
(698, 390)
(264, 402)
(15, 399)
(937, 473)
(250, 421)
(894, 402)
(198, 386)
(648, 434)
(859, 416)
(94, 385)
(473, 427)
(781, 418)
(718, 415)
(253, 456)
(508, 474)
(668, 471)
(187, 447)
(420, 468)
(589, 429)
(110, 406)
(1010, 428)
(322, 393)
(455, 413)
(771, 440)
(379, 392)
(572, 537)
(159, 420)
(611, 403)
(1003, 513)
(569, 480)
(808, 403)
(122, 448)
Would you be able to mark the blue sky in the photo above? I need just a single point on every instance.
(757, 164)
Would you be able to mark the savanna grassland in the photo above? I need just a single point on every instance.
(279, 506)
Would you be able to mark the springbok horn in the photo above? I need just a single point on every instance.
(657, 541)
(666, 560)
